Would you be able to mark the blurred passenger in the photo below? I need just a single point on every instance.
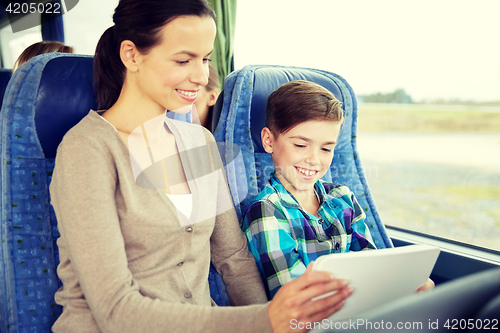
(41, 48)
(205, 101)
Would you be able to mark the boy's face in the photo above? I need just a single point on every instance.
(302, 155)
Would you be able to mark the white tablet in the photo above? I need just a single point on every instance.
(379, 276)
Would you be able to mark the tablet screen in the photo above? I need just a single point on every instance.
(379, 276)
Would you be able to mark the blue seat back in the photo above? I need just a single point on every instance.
(45, 98)
(243, 116)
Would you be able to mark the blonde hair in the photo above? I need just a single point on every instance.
(213, 78)
(41, 48)
(213, 84)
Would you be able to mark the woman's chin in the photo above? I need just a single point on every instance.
(182, 110)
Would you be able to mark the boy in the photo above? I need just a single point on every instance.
(298, 217)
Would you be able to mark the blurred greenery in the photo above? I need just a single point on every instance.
(398, 96)
(425, 118)
(463, 192)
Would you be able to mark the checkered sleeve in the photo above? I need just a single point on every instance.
(354, 221)
(270, 241)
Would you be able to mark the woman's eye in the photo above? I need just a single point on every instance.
(182, 62)
(205, 60)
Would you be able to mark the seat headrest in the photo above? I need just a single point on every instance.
(268, 79)
(65, 95)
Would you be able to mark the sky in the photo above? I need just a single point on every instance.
(446, 49)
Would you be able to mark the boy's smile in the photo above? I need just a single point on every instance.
(306, 172)
(303, 154)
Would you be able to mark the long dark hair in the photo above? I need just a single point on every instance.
(139, 21)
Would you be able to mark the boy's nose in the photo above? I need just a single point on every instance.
(313, 158)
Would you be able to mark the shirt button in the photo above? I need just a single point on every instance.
(189, 229)
(337, 246)
(187, 295)
(180, 264)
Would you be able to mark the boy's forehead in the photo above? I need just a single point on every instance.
(315, 129)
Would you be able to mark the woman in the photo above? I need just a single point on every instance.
(132, 258)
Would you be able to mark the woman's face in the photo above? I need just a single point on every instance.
(172, 73)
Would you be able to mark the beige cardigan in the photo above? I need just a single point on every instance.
(127, 264)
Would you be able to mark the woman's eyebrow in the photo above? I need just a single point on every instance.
(191, 54)
(309, 140)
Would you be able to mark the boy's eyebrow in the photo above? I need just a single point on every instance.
(309, 140)
(191, 54)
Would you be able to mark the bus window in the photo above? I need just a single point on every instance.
(13, 44)
(92, 17)
(432, 157)
(83, 26)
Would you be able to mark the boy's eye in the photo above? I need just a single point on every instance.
(299, 146)
(327, 150)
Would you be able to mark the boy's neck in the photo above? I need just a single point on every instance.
(308, 202)
(307, 199)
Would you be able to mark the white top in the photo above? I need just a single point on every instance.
(183, 203)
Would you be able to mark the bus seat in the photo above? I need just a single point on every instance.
(5, 75)
(45, 97)
(242, 116)
(491, 310)
(38, 91)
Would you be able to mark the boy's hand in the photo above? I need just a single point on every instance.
(427, 286)
(292, 306)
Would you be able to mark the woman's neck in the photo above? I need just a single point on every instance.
(131, 111)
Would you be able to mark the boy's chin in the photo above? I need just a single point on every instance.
(305, 186)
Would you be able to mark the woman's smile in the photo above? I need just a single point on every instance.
(188, 95)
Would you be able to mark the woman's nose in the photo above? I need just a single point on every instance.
(199, 75)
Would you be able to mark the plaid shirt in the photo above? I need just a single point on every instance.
(284, 238)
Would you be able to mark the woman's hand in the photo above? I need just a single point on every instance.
(427, 286)
(292, 306)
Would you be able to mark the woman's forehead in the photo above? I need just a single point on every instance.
(189, 34)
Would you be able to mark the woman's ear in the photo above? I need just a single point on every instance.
(267, 140)
(129, 54)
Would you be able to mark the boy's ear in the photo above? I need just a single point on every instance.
(129, 54)
(267, 140)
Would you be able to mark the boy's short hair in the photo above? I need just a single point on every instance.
(299, 101)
